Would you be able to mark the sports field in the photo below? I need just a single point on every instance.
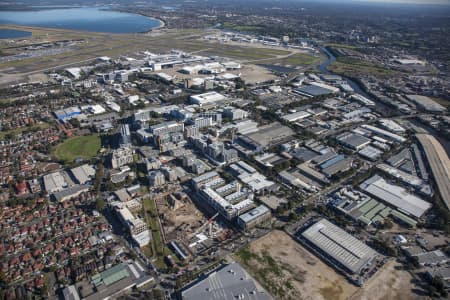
(78, 147)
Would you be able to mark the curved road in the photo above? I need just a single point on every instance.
(439, 163)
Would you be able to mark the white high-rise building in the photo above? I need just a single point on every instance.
(125, 136)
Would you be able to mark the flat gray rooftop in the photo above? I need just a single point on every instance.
(271, 134)
(313, 91)
(340, 245)
(228, 283)
(395, 196)
(353, 140)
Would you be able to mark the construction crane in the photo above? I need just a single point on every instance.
(209, 222)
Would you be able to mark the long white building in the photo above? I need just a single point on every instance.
(395, 196)
(207, 98)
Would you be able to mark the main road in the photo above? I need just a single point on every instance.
(439, 163)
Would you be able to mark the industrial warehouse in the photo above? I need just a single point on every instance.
(339, 248)
(395, 196)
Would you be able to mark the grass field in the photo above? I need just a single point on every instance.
(247, 28)
(344, 46)
(242, 52)
(157, 248)
(78, 147)
(297, 59)
(152, 220)
(351, 67)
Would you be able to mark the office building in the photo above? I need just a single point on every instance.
(136, 227)
(169, 173)
(258, 216)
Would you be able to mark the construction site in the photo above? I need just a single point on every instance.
(185, 228)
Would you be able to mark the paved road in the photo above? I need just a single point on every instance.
(439, 163)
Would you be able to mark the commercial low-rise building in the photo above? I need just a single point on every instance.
(54, 182)
(255, 217)
(83, 173)
(353, 141)
(207, 98)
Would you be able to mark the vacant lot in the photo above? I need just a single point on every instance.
(78, 147)
(388, 283)
(288, 271)
(255, 74)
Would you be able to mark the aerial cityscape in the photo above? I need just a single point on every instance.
(212, 149)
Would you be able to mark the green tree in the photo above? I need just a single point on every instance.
(100, 204)
(75, 122)
(99, 176)
(387, 224)
(158, 294)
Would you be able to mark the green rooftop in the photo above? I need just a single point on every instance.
(110, 276)
(365, 220)
(404, 218)
(379, 207)
(378, 218)
(385, 212)
(368, 206)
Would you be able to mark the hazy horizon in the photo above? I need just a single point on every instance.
(443, 2)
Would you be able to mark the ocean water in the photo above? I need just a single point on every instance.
(81, 18)
(12, 34)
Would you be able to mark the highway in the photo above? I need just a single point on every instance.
(439, 163)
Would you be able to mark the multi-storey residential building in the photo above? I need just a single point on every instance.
(121, 157)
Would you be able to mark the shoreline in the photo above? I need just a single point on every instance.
(161, 23)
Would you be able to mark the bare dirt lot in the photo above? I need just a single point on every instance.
(256, 74)
(388, 283)
(288, 271)
(176, 223)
